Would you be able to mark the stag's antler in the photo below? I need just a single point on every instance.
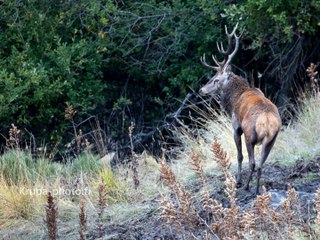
(204, 63)
(228, 55)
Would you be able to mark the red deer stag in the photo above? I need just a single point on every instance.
(252, 113)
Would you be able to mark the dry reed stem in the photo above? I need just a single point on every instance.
(292, 196)
(134, 159)
(287, 217)
(99, 137)
(82, 220)
(102, 203)
(14, 137)
(88, 146)
(186, 208)
(207, 201)
(221, 158)
(51, 217)
(312, 74)
(79, 138)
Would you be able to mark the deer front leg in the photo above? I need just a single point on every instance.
(237, 139)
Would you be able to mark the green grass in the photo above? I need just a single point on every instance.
(21, 174)
(116, 190)
(17, 166)
(87, 163)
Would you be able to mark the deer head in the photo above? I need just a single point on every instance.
(223, 68)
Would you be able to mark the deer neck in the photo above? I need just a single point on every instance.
(232, 91)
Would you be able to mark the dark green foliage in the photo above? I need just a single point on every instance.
(51, 53)
(131, 60)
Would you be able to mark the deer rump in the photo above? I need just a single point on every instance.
(257, 117)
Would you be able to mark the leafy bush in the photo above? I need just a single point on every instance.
(49, 57)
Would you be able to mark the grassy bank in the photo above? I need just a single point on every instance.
(25, 180)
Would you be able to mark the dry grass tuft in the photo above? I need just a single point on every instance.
(17, 204)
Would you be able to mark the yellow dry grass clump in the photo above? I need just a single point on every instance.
(17, 204)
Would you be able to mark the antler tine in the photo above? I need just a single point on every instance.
(204, 63)
(233, 31)
(220, 64)
(221, 49)
(229, 35)
(218, 47)
(234, 51)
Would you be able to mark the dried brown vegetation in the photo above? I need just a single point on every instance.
(82, 220)
(228, 221)
(14, 137)
(197, 166)
(184, 212)
(312, 74)
(51, 217)
(102, 203)
(134, 159)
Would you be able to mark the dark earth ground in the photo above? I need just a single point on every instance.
(304, 176)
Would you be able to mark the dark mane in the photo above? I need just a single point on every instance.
(235, 87)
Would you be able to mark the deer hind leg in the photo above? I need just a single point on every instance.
(266, 148)
(237, 139)
(252, 163)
